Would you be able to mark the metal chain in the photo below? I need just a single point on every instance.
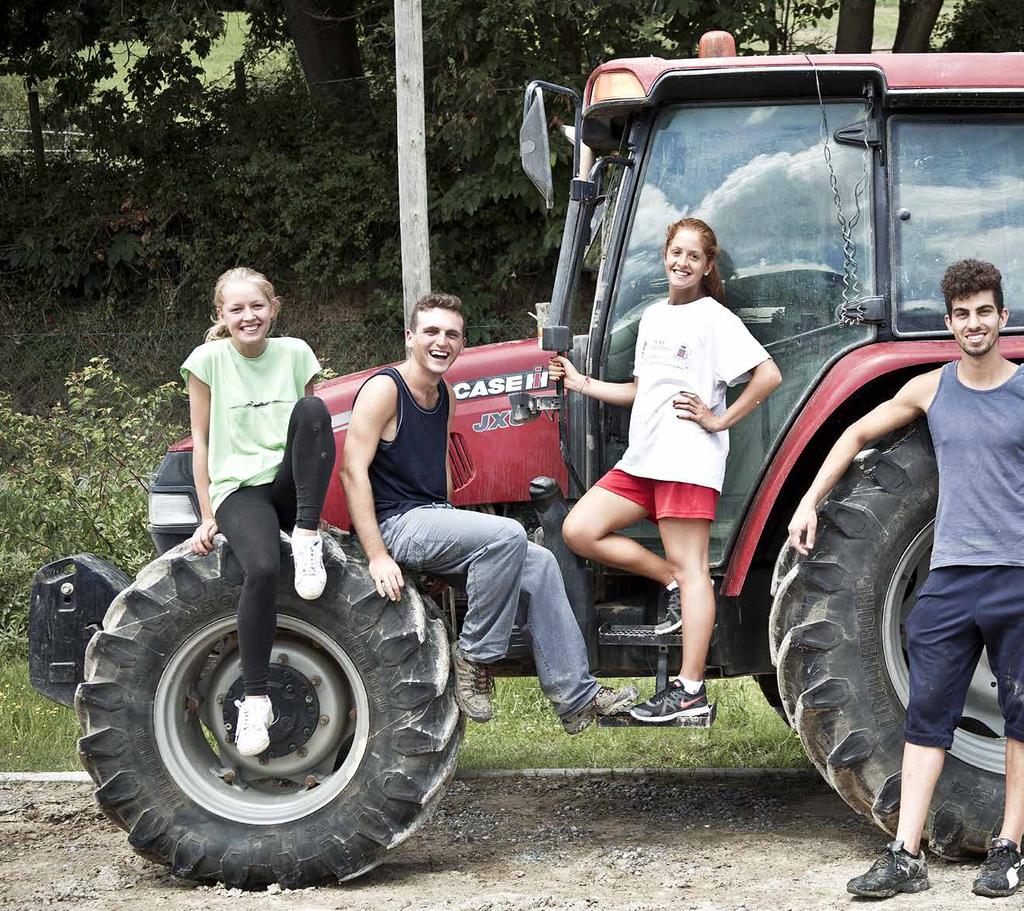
(851, 311)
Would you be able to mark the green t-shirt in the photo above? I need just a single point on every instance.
(251, 402)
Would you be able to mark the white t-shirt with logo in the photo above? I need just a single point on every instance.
(700, 347)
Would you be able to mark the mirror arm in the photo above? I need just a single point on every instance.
(602, 164)
(577, 103)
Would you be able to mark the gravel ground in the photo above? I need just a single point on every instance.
(571, 844)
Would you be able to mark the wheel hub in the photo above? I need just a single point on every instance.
(296, 709)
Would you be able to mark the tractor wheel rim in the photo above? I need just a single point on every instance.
(217, 778)
(981, 709)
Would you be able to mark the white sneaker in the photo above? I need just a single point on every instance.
(255, 715)
(310, 575)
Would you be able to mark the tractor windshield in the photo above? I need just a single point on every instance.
(758, 176)
(958, 192)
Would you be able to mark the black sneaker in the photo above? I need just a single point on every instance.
(1000, 873)
(896, 870)
(673, 614)
(672, 702)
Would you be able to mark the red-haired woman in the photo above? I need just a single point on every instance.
(689, 349)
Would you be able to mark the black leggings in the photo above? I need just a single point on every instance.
(252, 519)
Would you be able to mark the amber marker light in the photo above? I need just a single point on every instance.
(717, 44)
(616, 86)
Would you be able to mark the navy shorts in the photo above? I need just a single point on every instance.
(959, 611)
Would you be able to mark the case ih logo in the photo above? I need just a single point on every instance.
(502, 383)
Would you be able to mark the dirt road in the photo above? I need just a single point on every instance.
(507, 845)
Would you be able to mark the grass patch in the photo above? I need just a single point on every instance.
(887, 17)
(217, 66)
(37, 735)
(526, 734)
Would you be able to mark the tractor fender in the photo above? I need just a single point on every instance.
(849, 374)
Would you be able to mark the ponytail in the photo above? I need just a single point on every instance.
(217, 331)
(713, 285)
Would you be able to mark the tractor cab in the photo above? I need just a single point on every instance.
(838, 186)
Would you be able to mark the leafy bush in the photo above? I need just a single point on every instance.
(984, 25)
(76, 479)
(273, 184)
(186, 178)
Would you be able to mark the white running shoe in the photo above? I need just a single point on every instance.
(255, 715)
(308, 556)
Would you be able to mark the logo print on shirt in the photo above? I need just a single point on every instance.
(260, 404)
(681, 353)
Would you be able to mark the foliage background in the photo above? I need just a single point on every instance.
(163, 173)
(184, 177)
(75, 480)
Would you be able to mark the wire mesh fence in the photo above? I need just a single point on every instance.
(16, 130)
(35, 365)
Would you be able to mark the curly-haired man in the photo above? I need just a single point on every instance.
(972, 598)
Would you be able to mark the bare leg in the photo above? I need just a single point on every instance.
(921, 769)
(589, 530)
(1013, 811)
(686, 546)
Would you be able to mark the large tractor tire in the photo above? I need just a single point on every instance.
(364, 745)
(839, 645)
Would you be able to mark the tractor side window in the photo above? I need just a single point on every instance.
(757, 174)
(959, 193)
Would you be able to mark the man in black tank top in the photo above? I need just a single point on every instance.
(397, 483)
(972, 596)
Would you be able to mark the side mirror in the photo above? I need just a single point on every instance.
(534, 149)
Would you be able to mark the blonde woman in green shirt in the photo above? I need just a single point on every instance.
(263, 452)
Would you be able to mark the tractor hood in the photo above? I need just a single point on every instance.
(492, 459)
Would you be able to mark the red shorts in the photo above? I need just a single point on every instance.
(663, 499)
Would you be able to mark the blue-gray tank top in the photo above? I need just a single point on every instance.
(979, 445)
(412, 469)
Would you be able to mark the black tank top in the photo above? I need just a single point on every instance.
(411, 469)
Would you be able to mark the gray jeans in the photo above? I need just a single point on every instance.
(498, 564)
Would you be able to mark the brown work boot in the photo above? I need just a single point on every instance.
(473, 685)
(605, 702)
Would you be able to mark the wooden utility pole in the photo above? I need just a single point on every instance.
(412, 163)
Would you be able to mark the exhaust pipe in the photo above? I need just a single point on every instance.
(579, 581)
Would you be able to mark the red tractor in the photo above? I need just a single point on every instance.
(840, 187)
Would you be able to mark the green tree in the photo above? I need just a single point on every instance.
(187, 179)
(985, 25)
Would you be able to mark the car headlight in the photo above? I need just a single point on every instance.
(171, 509)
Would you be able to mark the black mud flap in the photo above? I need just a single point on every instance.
(69, 599)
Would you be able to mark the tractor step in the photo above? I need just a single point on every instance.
(637, 634)
(625, 720)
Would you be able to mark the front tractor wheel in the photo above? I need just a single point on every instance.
(365, 740)
(839, 644)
